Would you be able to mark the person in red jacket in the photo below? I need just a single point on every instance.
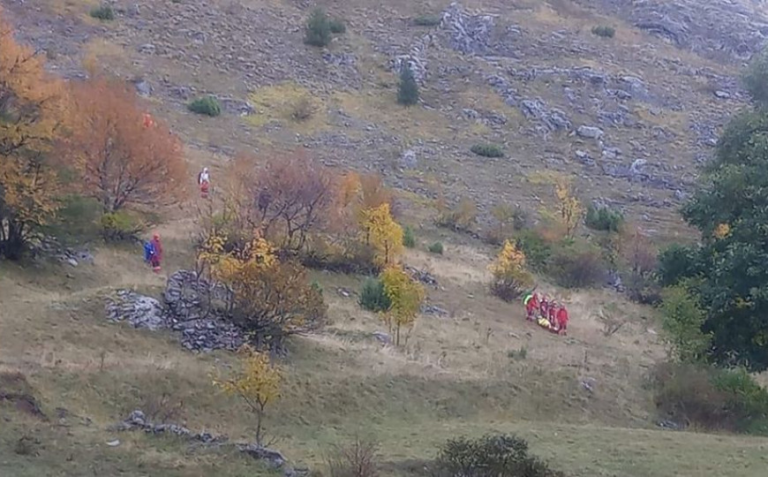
(157, 255)
(562, 320)
(533, 307)
(544, 306)
(551, 312)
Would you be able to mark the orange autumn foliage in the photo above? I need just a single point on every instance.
(123, 162)
(32, 107)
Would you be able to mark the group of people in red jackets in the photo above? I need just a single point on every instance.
(547, 313)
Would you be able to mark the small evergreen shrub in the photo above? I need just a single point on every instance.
(427, 20)
(436, 248)
(373, 296)
(409, 239)
(604, 31)
(490, 456)
(487, 150)
(103, 13)
(121, 226)
(208, 106)
(318, 29)
(408, 89)
(303, 109)
(603, 219)
(337, 26)
(536, 248)
(577, 266)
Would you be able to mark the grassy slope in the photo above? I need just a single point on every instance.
(452, 377)
(455, 374)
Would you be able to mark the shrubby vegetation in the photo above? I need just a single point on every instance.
(510, 277)
(436, 248)
(487, 150)
(318, 29)
(427, 20)
(207, 106)
(103, 12)
(490, 456)
(409, 239)
(603, 219)
(408, 89)
(604, 31)
(373, 296)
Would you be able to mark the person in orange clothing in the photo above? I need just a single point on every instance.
(551, 314)
(562, 321)
(157, 253)
(204, 181)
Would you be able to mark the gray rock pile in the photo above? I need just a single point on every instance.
(188, 309)
(137, 310)
(137, 420)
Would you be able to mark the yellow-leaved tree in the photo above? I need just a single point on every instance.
(268, 298)
(510, 277)
(257, 383)
(569, 209)
(405, 295)
(381, 232)
(32, 107)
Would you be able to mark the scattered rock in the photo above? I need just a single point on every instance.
(113, 443)
(272, 457)
(382, 337)
(422, 276)
(722, 95)
(408, 159)
(434, 310)
(143, 88)
(589, 132)
(138, 310)
(236, 106)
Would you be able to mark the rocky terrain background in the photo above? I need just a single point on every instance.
(631, 117)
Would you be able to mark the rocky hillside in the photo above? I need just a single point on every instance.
(631, 116)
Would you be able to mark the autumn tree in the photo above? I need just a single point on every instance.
(569, 209)
(32, 106)
(288, 200)
(510, 277)
(405, 295)
(385, 235)
(124, 161)
(257, 383)
(269, 298)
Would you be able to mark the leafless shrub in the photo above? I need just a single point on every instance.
(358, 459)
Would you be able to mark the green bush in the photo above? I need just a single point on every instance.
(604, 31)
(207, 105)
(682, 320)
(489, 456)
(711, 398)
(577, 266)
(603, 219)
(408, 89)
(487, 150)
(77, 220)
(677, 262)
(103, 12)
(436, 248)
(427, 20)
(121, 226)
(373, 297)
(409, 239)
(318, 29)
(536, 248)
(337, 26)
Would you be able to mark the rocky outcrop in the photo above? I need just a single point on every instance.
(725, 30)
(188, 308)
(138, 421)
(467, 33)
